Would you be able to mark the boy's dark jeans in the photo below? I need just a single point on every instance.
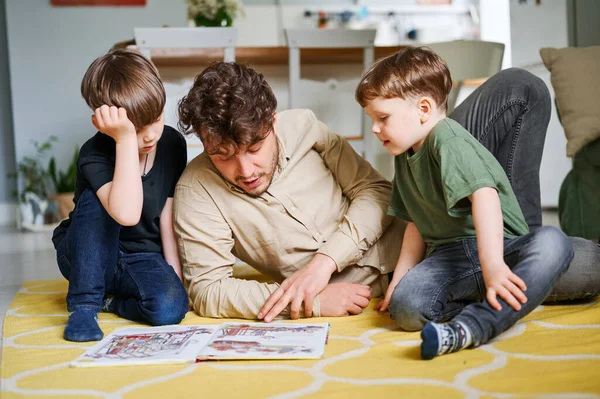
(145, 287)
(448, 284)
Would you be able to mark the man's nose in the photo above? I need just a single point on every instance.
(245, 167)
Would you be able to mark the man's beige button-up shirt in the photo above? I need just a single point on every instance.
(324, 199)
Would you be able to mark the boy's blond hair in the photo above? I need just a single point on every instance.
(124, 78)
(414, 71)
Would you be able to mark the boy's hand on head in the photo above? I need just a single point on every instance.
(501, 281)
(113, 122)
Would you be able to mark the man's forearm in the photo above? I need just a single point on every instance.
(368, 193)
(230, 297)
(356, 234)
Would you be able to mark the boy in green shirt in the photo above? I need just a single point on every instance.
(467, 255)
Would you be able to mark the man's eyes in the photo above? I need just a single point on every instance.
(223, 157)
(254, 150)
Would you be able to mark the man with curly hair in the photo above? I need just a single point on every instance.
(284, 194)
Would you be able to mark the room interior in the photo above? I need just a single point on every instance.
(312, 53)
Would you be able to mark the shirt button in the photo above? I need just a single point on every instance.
(382, 268)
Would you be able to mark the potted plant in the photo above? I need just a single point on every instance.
(35, 186)
(213, 13)
(64, 185)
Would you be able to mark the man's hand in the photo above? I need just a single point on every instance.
(342, 299)
(113, 122)
(500, 280)
(301, 287)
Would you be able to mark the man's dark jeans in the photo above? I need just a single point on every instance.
(509, 115)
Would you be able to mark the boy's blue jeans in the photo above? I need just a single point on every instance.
(145, 287)
(448, 284)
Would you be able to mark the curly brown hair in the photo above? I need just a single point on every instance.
(413, 71)
(230, 106)
(124, 78)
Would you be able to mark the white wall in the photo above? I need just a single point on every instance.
(452, 22)
(49, 50)
(533, 27)
(495, 26)
(7, 164)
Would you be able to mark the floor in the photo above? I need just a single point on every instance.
(30, 256)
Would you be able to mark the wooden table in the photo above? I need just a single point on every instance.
(273, 56)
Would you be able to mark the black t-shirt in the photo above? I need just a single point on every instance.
(96, 167)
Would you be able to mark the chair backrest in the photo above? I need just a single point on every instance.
(184, 38)
(298, 39)
(149, 38)
(469, 59)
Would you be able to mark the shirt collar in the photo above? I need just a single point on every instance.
(283, 158)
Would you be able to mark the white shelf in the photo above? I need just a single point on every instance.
(385, 9)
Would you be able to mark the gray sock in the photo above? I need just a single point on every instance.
(442, 338)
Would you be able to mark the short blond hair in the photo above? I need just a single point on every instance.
(414, 71)
(124, 78)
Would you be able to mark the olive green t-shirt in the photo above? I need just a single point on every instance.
(431, 187)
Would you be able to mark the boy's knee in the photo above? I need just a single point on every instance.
(408, 310)
(91, 209)
(89, 199)
(168, 308)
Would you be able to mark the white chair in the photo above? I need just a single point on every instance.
(468, 59)
(184, 38)
(332, 100)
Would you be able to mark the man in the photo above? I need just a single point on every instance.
(292, 199)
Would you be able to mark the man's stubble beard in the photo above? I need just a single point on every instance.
(274, 167)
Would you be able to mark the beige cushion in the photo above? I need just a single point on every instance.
(575, 76)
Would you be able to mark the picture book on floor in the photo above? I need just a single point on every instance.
(188, 344)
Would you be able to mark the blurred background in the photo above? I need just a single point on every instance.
(46, 46)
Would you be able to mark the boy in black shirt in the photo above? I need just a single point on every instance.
(118, 248)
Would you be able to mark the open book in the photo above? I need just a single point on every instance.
(187, 344)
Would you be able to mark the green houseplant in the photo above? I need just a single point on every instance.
(213, 13)
(35, 185)
(32, 173)
(64, 185)
(46, 194)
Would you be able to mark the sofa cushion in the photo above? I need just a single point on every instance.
(578, 210)
(575, 77)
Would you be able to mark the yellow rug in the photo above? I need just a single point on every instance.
(553, 353)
